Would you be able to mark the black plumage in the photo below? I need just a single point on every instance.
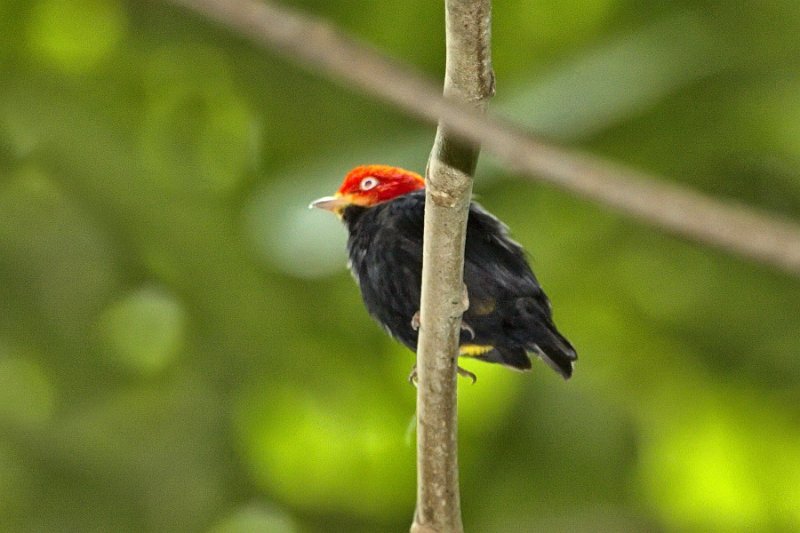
(509, 315)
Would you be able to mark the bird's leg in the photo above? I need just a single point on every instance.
(466, 327)
(412, 376)
(415, 321)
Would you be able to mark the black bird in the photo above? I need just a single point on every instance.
(509, 315)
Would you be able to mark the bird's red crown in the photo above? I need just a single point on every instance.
(370, 185)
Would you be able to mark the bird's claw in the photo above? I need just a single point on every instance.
(467, 374)
(466, 327)
(415, 323)
(412, 376)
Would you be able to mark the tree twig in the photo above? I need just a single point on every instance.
(677, 209)
(468, 79)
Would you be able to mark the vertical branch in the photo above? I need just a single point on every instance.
(470, 80)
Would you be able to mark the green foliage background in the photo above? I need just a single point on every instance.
(182, 349)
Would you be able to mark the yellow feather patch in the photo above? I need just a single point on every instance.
(474, 350)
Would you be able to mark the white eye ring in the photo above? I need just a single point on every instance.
(368, 183)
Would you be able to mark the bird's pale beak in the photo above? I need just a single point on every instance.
(335, 204)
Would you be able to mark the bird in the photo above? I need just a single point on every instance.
(509, 316)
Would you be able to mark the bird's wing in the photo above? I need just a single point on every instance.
(494, 263)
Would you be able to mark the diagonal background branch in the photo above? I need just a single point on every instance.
(468, 79)
(677, 209)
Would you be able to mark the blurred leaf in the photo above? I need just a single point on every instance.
(76, 35)
(715, 464)
(197, 134)
(330, 449)
(60, 263)
(145, 331)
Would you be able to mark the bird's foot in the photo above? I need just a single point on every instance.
(412, 376)
(465, 297)
(415, 321)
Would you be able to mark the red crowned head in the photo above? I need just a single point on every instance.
(370, 185)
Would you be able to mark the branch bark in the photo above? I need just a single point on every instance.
(673, 208)
(469, 80)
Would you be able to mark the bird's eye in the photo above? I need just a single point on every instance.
(368, 183)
